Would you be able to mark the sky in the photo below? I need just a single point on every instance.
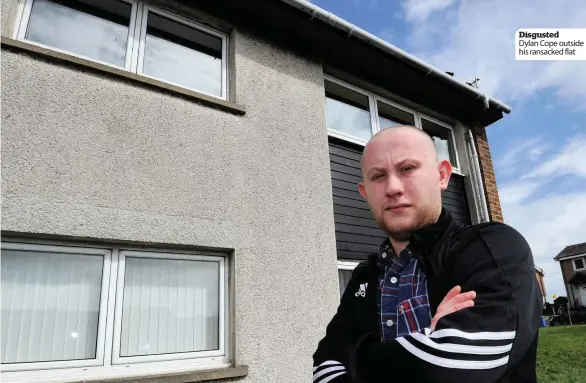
(539, 150)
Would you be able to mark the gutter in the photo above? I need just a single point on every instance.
(352, 30)
(477, 176)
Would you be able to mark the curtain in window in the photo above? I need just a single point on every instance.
(344, 277)
(50, 306)
(169, 306)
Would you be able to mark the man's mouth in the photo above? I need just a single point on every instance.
(397, 207)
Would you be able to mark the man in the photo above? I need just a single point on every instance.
(412, 325)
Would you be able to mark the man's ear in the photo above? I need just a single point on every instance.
(362, 189)
(445, 172)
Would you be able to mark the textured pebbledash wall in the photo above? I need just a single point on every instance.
(86, 155)
(486, 167)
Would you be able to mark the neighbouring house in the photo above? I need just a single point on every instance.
(540, 275)
(179, 181)
(572, 261)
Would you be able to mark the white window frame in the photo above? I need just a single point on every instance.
(583, 263)
(373, 110)
(346, 264)
(101, 337)
(116, 358)
(456, 166)
(136, 40)
(108, 364)
(346, 136)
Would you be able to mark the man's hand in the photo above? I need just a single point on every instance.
(453, 301)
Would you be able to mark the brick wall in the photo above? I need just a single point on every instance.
(489, 180)
(541, 283)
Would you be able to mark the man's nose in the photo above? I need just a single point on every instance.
(394, 185)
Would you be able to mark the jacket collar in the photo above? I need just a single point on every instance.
(427, 237)
(423, 240)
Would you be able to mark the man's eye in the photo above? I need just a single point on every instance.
(377, 176)
(408, 168)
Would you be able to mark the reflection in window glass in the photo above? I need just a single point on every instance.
(183, 55)
(95, 29)
(347, 111)
(169, 306)
(50, 306)
(389, 116)
(442, 138)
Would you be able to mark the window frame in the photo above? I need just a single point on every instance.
(116, 358)
(141, 32)
(451, 133)
(136, 41)
(107, 367)
(346, 136)
(23, 18)
(346, 265)
(583, 263)
(373, 99)
(101, 330)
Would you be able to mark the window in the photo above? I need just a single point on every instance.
(355, 115)
(389, 116)
(110, 310)
(345, 270)
(579, 264)
(348, 112)
(130, 35)
(443, 139)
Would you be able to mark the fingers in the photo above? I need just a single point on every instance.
(462, 297)
(452, 293)
(462, 305)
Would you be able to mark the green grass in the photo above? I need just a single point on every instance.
(561, 355)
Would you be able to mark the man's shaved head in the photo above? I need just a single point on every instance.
(412, 128)
(403, 180)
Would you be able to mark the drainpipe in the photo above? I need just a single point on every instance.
(477, 176)
(352, 30)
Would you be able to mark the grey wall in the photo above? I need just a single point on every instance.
(87, 155)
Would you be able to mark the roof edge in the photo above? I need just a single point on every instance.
(336, 22)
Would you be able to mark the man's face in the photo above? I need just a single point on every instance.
(402, 181)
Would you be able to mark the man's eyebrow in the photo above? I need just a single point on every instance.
(409, 159)
(375, 169)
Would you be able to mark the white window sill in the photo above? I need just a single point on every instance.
(61, 56)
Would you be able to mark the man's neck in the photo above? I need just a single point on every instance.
(398, 246)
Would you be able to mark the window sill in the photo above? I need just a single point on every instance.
(169, 377)
(199, 376)
(55, 55)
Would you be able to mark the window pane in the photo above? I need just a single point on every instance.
(50, 306)
(183, 55)
(343, 278)
(169, 306)
(579, 263)
(389, 116)
(95, 29)
(347, 111)
(443, 140)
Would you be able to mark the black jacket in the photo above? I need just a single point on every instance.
(493, 341)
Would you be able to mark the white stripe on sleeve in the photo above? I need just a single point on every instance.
(452, 363)
(328, 363)
(321, 373)
(326, 380)
(496, 335)
(461, 348)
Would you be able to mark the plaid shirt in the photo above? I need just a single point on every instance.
(402, 300)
